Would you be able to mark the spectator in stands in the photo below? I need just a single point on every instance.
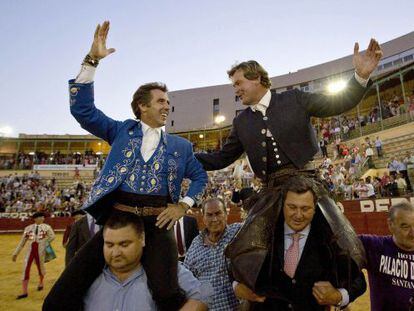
(205, 258)
(393, 186)
(390, 260)
(39, 235)
(123, 281)
(361, 189)
(369, 154)
(404, 161)
(401, 184)
(378, 146)
(371, 189)
(323, 145)
(394, 166)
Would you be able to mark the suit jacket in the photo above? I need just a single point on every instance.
(78, 236)
(288, 119)
(190, 230)
(125, 139)
(321, 260)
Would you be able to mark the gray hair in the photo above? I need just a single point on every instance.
(405, 206)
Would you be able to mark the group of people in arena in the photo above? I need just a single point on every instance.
(295, 250)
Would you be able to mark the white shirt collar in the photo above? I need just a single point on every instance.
(288, 230)
(263, 104)
(146, 128)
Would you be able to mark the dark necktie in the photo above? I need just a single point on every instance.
(180, 246)
(36, 230)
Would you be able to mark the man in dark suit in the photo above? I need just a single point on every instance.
(81, 232)
(274, 130)
(308, 270)
(276, 134)
(185, 229)
(76, 215)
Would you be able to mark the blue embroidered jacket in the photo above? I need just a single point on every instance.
(125, 139)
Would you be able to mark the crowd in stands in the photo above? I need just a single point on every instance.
(343, 174)
(341, 171)
(25, 161)
(29, 193)
(340, 126)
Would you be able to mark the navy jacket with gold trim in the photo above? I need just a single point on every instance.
(125, 138)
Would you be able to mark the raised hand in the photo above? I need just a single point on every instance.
(98, 48)
(366, 63)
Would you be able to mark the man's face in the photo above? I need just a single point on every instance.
(214, 217)
(298, 209)
(402, 229)
(155, 115)
(249, 91)
(123, 248)
(39, 220)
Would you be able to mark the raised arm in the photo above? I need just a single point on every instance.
(82, 93)
(322, 105)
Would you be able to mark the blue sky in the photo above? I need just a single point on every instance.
(185, 44)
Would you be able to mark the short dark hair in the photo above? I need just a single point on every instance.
(301, 184)
(120, 219)
(143, 96)
(252, 70)
(404, 205)
(219, 200)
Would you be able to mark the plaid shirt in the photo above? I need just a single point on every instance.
(208, 264)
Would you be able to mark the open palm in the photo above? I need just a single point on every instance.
(366, 63)
(98, 48)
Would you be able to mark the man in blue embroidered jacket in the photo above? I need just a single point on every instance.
(142, 175)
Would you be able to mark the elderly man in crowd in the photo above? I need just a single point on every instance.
(390, 261)
(205, 258)
(308, 271)
(123, 283)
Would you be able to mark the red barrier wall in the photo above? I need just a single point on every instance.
(367, 216)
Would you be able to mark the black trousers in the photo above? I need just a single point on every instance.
(159, 261)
